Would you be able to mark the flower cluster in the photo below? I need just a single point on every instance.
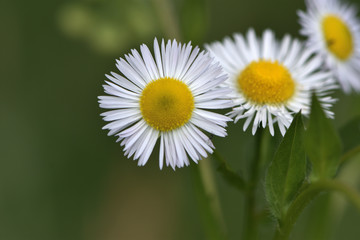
(170, 94)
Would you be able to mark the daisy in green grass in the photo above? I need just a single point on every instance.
(167, 97)
(271, 80)
(333, 33)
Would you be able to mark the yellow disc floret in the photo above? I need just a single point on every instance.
(265, 82)
(338, 37)
(166, 104)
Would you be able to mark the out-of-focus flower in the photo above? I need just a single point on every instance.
(108, 26)
(333, 33)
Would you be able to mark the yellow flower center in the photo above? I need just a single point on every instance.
(166, 104)
(266, 82)
(338, 37)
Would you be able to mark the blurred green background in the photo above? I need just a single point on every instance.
(62, 177)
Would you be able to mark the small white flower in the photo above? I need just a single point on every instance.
(272, 80)
(333, 33)
(166, 97)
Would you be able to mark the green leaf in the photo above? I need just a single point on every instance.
(322, 143)
(350, 134)
(287, 171)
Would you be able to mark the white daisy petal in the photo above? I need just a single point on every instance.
(149, 62)
(138, 64)
(247, 122)
(284, 48)
(267, 45)
(243, 49)
(271, 127)
(253, 44)
(113, 89)
(130, 73)
(149, 147)
(122, 82)
(169, 151)
(161, 152)
(195, 141)
(190, 148)
(158, 58)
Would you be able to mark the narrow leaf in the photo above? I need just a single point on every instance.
(322, 143)
(287, 171)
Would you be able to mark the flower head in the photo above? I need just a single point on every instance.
(166, 97)
(333, 33)
(271, 80)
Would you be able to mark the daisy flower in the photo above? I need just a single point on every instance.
(272, 80)
(166, 97)
(333, 33)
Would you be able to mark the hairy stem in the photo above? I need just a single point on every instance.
(349, 154)
(209, 201)
(168, 20)
(285, 226)
(228, 174)
(250, 230)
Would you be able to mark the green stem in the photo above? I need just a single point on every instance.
(167, 17)
(285, 226)
(209, 201)
(228, 174)
(349, 154)
(250, 200)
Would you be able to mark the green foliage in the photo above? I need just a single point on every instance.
(322, 143)
(286, 172)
